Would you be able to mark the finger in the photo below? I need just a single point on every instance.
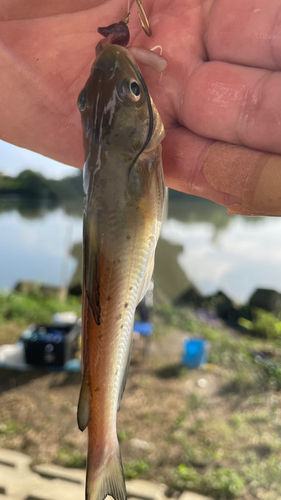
(183, 159)
(247, 181)
(243, 32)
(234, 104)
(17, 9)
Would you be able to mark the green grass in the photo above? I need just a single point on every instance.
(69, 456)
(265, 325)
(11, 428)
(233, 454)
(124, 435)
(224, 443)
(135, 468)
(245, 374)
(33, 306)
(226, 458)
(222, 483)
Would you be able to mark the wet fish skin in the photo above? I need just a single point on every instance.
(123, 207)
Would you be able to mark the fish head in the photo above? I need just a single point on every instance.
(115, 106)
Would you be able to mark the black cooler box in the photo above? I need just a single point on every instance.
(51, 345)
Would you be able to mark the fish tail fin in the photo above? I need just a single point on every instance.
(107, 479)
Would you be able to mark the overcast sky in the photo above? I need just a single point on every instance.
(13, 160)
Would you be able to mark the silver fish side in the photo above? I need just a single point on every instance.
(123, 208)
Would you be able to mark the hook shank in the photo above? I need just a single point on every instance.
(143, 19)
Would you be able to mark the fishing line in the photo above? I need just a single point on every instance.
(150, 111)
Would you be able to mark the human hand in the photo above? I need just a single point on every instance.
(221, 82)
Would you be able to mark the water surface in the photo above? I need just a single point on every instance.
(215, 251)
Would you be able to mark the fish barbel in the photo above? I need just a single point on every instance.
(123, 207)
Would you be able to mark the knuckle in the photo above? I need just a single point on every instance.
(251, 109)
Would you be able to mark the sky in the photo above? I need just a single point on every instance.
(13, 160)
(237, 259)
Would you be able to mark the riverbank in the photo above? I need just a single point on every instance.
(215, 430)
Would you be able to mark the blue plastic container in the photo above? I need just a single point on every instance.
(145, 329)
(195, 352)
(72, 365)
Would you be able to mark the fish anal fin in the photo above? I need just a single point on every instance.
(107, 479)
(126, 371)
(83, 411)
(146, 279)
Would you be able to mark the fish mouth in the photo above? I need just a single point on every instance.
(112, 59)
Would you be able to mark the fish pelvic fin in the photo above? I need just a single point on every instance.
(107, 479)
(83, 411)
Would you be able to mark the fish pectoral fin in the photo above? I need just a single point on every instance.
(107, 479)
(83, 411)
(125, 372)
(92, 239)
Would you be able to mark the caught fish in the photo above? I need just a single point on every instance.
(123, 207)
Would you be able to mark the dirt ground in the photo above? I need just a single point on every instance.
(39, 408)
(166, 411)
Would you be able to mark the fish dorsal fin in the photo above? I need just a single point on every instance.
(126, 371)
(83, 411)
(91, 262)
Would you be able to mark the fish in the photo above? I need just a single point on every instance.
(124, 197)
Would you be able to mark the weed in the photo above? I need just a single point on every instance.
(186, 319)
(221, 483)
(135, 468)
(270, 376)
(187, 478)
(33, 306)
(258, 417)
(11, 427)
(69, 456)
(257, 400)
(196, 401)
(243, 383)
(123, 435)
(237, 420)
(265, 324)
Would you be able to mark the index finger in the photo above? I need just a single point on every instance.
(245, 32)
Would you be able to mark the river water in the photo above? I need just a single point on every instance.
(199, 241)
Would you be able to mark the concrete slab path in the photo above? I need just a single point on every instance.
(20, 481)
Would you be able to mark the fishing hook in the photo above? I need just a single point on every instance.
(143, 19)
(127, 18)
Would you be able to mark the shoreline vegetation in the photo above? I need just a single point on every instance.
(214, 430)
(33, 186)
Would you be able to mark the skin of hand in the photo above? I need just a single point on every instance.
(222, 82)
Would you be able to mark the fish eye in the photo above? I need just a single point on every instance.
(82, 101)
(135, 88)
(130, 90)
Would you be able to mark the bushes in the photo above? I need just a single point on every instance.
(33, 306)
(265, 325)
(221, 483)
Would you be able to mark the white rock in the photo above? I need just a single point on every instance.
(189, 495)
(202, 382)
(138, 488)
(140, 444)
